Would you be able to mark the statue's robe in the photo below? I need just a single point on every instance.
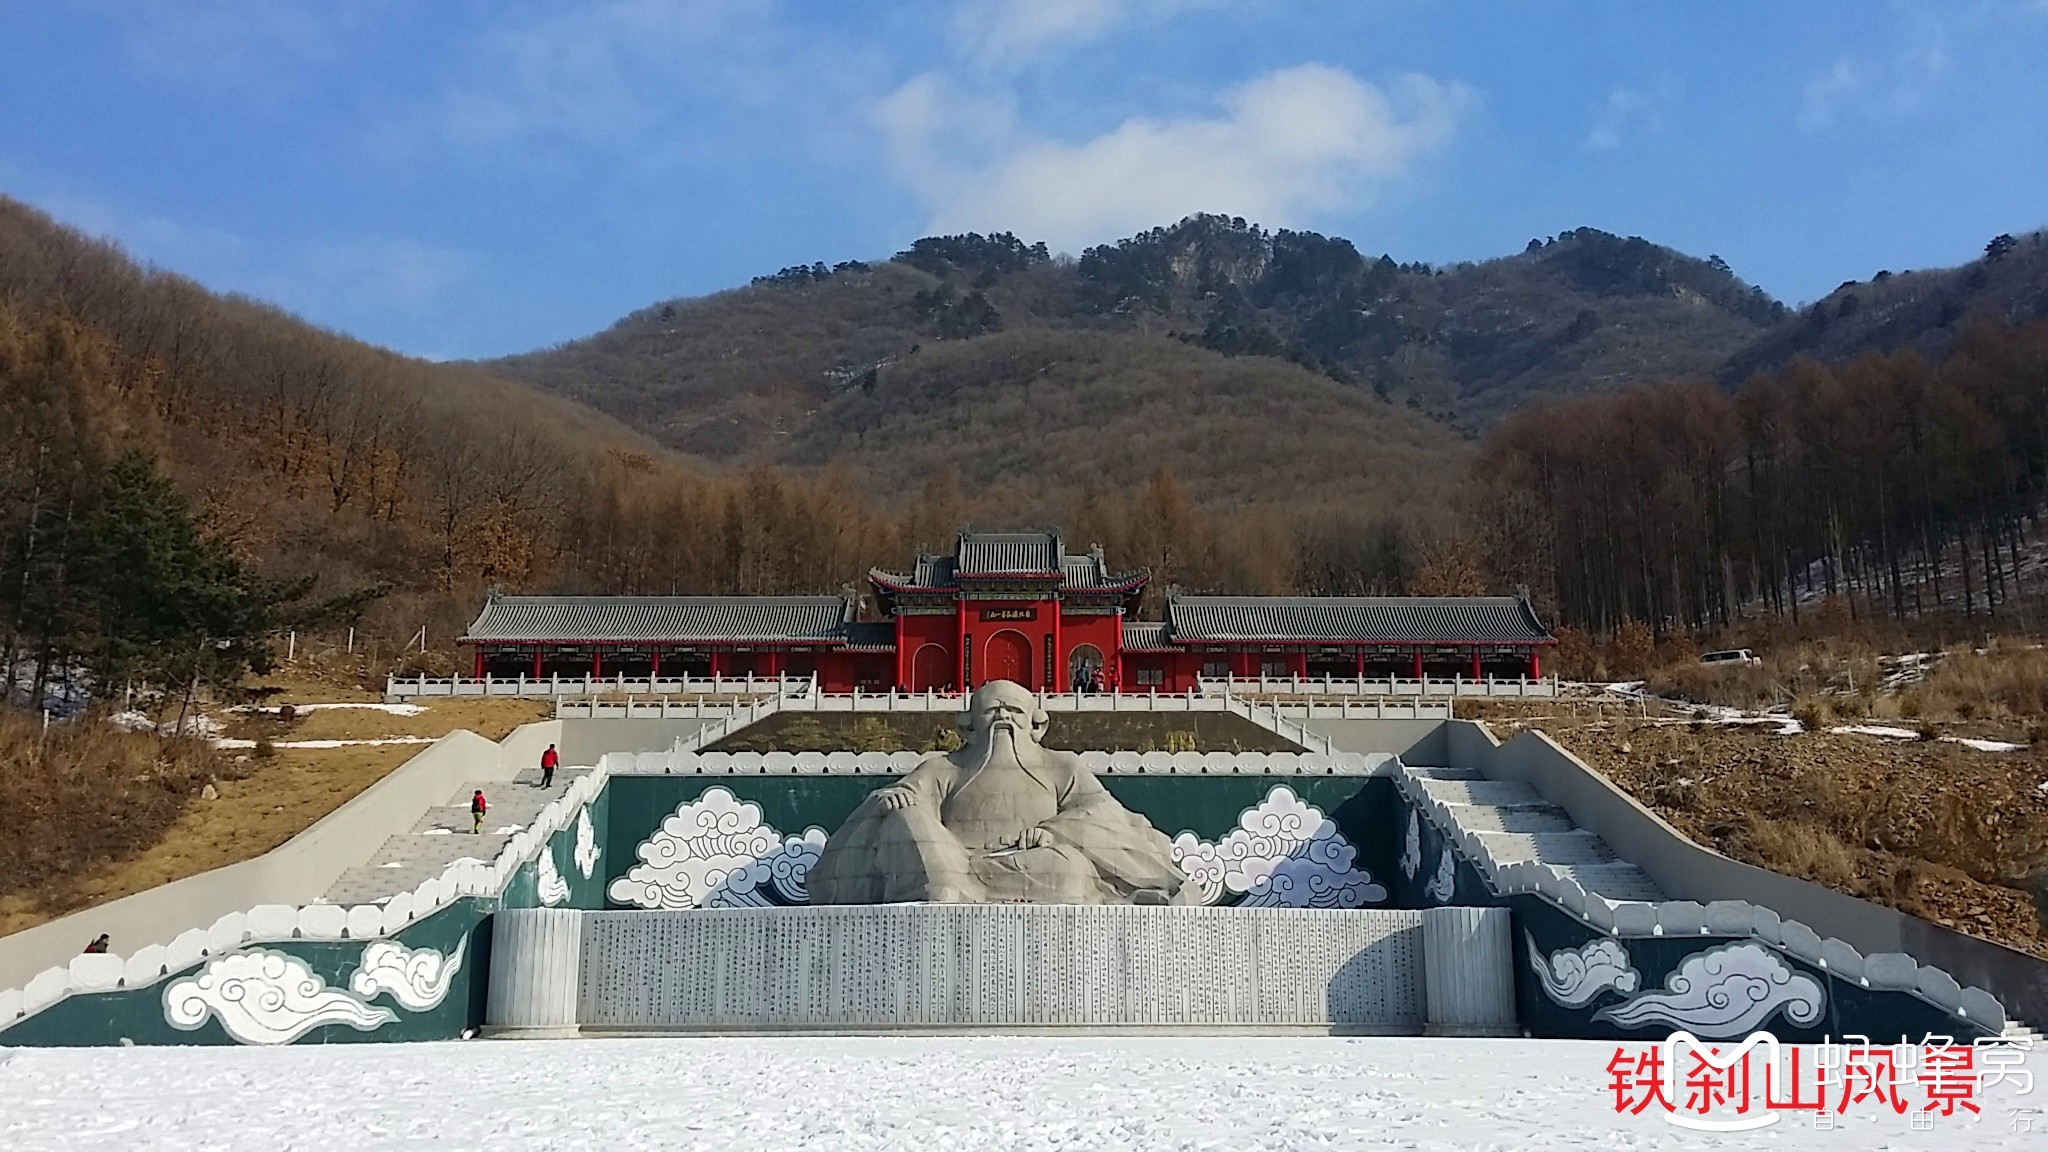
(955, 841)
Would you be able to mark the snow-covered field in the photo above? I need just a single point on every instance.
(931, 1094)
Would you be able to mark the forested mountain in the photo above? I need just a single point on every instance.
(1232, 408)
(755, 369)
(345, 483)
(1886, 487)
(1919, 311)
(275, 475)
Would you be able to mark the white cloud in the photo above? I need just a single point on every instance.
(356, 277)
(1887, 89)
(235, 44)
(994, 33)
(1627, 113)
(338, 281)
(1288, 147)
(602, 74)
(1825, 93)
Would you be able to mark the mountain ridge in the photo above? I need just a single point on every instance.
(743, 373)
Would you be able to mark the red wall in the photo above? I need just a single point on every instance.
(912, 634)
(1034, 620)
(1106, 633)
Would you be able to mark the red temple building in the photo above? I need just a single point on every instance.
(1008, 606)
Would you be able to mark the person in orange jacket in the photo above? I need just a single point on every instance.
(549, 760)
(477, 807)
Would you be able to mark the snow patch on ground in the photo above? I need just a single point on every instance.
(226, 743)
(1985, 745)
(393, 709)
(1882, 731)
(197, 724)
(750, 1094)
(1784, 724)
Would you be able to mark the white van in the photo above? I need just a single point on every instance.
(1729, 657)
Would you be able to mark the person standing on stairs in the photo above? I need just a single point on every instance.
(548, 760)
(477, 807)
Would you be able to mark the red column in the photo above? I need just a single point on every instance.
(1059, 660)
(536, 662)
(774, 661)
(1476, 674)
(596, 661)
(1535, 663)
(961, 660)
(479, 662)
(718, 661)
(1418, 664)
(654, 663)
(1358, 663)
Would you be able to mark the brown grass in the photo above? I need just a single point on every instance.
(86, 796)
(1956, 836)
(1840, 667)
(491, 719)
(2005, 682)
(277, 800)
(100, 814)
(1804, 849)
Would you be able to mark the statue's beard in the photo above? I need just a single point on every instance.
(1002, 745)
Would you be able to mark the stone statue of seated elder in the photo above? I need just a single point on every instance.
(1003, 819)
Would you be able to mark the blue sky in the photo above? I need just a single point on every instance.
(480, 177)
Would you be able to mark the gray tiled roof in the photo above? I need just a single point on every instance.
(1139, 635)
(1367, 619)
(872, 636)
(1010, 554)
(1007, 553)
(1089, 572)
(676, 619)
(933, 572)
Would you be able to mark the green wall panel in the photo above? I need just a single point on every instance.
(1208, 806)
(137, 1015)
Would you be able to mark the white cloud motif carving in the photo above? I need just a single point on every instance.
(789, 869)
(418, 979)
(586, 844)
(1282, 854)
(553, 889)
(1204, 868)
(1444, 884)
(1574, 978)
(1722, 992)
(263, 997)
(714, 852)
(1411, 848)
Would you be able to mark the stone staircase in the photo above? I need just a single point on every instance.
(1518, 826)
(442, 836)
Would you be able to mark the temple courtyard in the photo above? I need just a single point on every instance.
(797, 1092)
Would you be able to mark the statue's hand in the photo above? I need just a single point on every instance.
(1035, 838)
(894, 798)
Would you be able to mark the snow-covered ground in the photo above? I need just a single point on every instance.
(930, 1094)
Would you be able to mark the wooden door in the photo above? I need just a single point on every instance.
(932, 667)
(1009, 658)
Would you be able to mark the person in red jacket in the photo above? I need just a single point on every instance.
(548, 760)
(477, 808)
